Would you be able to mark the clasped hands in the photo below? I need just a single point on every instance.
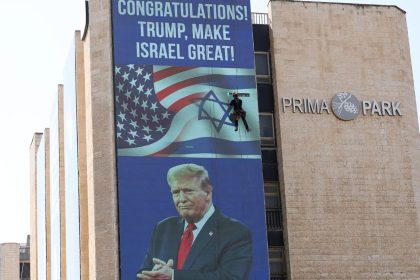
(161, 271)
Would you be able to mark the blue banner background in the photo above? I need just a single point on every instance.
(127, 34)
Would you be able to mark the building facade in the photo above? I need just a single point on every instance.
(9, 260)
(15, 261)
(339, 139)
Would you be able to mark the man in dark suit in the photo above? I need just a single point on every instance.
(200, 244)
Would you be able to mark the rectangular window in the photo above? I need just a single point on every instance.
(273, 215)
(262, 67)
(277, 263)
(24, 271)
(274, 277)
(270, 168)
(267, 133)
(265, 97)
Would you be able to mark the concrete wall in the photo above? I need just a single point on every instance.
(63, 261)
(349, 192)
(9, 261)
(47, 199)
(32, 197)
(81, 132)
(100, 144)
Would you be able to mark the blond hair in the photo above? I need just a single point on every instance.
(187, 172)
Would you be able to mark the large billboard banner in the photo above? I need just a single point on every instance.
(190, 186)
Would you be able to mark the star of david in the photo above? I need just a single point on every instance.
(217, 122)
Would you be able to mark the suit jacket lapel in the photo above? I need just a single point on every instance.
(175, 241)
(206, 234)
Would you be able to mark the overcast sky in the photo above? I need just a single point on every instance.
(36, 36)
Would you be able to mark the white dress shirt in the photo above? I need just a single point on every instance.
(200, 224)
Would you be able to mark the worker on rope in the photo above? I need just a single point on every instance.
(238, 112)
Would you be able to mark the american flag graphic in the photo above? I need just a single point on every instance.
(140, 118)
(155, 106)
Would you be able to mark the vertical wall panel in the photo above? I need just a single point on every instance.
(71, 168)
(40, 210)
(55, 193)
(33, 203)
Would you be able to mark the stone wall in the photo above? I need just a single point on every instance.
(33, 203)
(9, 261)
(100, 144)
(348, 187)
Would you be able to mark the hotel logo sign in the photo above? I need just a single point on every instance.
(344, 105)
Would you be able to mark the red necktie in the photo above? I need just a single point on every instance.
(185, 246)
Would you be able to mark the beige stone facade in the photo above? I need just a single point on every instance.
(46, 136)
(349, 189)
(100, 143)
(62, 182)
(9, 261)
(33, 203)
(81, 130)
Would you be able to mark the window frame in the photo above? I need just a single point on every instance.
(281, 261)
(263, 78)
(268, 141)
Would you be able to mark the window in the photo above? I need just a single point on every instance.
(265, 97)
(273, 219)
(267, 133)
(277, 263)
(273, 216)
(262, 67)
(24, 271)
(269, 162)
(274, 277)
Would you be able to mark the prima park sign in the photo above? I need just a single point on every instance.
(344, 105)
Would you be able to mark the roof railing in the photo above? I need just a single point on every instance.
(259, 18)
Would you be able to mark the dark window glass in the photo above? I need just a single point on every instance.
(272, 202)
(267, 130)
(24, 271)
(269, 156)
(277, 262)
(270, 172)
(269, 161)
(265, 97)
(261, 37)
(275, 238)
(262, 66)
(271, 188)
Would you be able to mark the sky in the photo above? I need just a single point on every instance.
(33, 52)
